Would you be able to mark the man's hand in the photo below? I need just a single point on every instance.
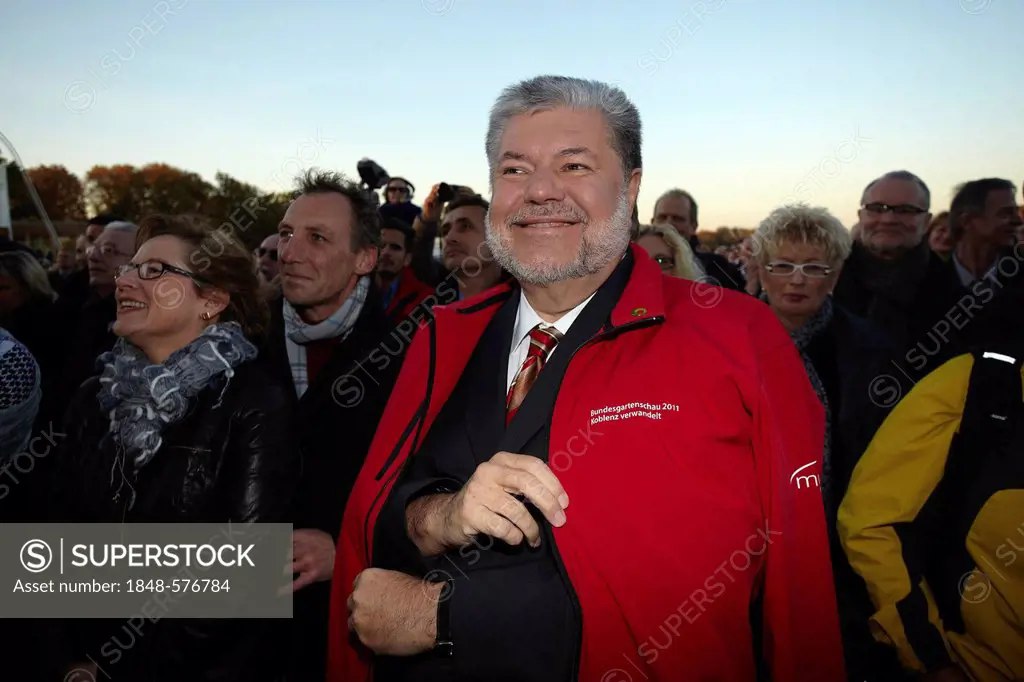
(432, 206)
(491, 503)
(949, 674)
(312, 557)
(394, 614)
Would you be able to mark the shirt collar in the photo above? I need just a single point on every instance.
(527, 318)
(966, 278)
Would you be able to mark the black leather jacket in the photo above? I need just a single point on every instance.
(235, 461)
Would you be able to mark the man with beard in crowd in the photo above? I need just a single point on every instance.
(464, 251)
(460, 556)
(325, 343)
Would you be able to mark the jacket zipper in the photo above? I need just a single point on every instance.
(550, 534)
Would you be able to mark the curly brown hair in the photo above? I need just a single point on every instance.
(218, 256)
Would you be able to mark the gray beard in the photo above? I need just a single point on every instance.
(601, 245)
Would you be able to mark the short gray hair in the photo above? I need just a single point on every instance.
(906, 176)
(122, 226)
(551, 92)
(680, 194)
(802, 224)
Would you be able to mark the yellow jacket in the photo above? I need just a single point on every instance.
(891, 514)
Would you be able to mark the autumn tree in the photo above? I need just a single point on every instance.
(60, 190)
(115, 189)
(167, 189)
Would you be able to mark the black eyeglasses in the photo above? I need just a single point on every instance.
(261, 252)
(398, 188)
(898, 209)
(783, 268)
(666, 262)
(154, 269)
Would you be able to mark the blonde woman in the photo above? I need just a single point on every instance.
(799, 251)
(669, 250)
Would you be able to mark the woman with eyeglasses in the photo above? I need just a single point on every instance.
(181, 426)
(799, 251)
(670, 251)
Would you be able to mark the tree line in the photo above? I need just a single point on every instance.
(133, 192)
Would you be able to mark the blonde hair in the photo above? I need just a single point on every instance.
(802, 224)
(686, 266)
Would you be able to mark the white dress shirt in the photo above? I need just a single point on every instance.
(526, 319)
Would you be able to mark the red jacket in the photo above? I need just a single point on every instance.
(677, 434)
(411, 292)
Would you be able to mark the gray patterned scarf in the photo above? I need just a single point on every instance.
(142, 399)
(802, 338)
(339, 325)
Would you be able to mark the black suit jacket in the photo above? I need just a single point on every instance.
(514, 614)
(334, 423)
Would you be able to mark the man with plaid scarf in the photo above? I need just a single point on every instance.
(331, 342)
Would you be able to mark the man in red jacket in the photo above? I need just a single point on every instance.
(555, 492)
(400, 289)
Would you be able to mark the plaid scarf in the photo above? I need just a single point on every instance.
(338, 326)
(142, 399)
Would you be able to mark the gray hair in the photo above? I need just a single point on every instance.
(122, 226)
(802, 224)
(680, 194)
(550, 92)
(906, 176)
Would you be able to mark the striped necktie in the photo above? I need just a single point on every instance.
(543, 340)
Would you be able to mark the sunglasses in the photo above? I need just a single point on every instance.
(261, 252)
(666, 262)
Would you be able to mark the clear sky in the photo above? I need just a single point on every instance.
(745, 103)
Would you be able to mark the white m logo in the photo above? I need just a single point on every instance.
(806, 478)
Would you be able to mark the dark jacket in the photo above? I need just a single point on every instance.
(87, 335)
(335, 420)
(232, 461)
(922, 339)
(74, 289)
(718, 268)
(850, 357)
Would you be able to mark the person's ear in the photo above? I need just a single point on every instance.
(366, 261)
(215, 302)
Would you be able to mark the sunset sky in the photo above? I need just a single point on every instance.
(745, 103)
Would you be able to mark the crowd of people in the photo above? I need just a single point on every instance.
(526, 437)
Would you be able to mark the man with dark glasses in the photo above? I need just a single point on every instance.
(266, 256)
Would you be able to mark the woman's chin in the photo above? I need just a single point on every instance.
(126, 329)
